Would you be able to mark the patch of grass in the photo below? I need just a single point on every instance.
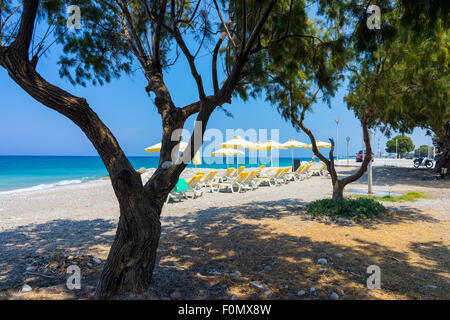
(407, 197)
(355, 209)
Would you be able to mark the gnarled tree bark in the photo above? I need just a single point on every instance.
(443, 157)
(132, 257)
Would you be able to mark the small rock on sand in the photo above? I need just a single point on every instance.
(301, 292)
(96, 260)
(322, 261)
(176, 294)
(26, 288)
(334, 296)
(259, 285)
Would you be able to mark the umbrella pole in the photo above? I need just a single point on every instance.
(270, 157)
(292, 156)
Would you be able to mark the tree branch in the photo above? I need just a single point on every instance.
(21, 44)
(224, 24)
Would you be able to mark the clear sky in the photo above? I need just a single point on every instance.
(29, 128)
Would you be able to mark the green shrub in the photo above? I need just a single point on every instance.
(356, 209)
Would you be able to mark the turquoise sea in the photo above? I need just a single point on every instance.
(22, 173)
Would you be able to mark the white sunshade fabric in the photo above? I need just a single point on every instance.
(157, 147)
(319, 144)
(237, 143)
(227, 152)
(291, 143)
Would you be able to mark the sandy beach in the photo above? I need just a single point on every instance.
(257, 244)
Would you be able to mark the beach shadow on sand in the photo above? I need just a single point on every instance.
(215, 241)
(213, 254)
(47, 249)
(389, 176)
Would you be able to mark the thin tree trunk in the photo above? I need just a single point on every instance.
(338, 191)
(339, 184)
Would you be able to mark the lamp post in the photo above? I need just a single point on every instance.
(337, 139)
(348, 140)
(369, 173)
(379, 149)
(396, 148)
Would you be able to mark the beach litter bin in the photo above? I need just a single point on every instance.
(296, 164)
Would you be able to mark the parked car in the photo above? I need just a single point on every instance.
(360, 156)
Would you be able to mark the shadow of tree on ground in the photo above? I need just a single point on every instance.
(222, 251)
(387, 176)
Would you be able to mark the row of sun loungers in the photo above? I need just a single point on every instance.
(237, 180)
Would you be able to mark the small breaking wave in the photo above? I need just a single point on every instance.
(46, 186)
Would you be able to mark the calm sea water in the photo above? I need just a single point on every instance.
(22, 173)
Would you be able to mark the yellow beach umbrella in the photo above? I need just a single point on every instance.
(270, 145)
(257, 146)
(227, 152)
(319, 144)
(157, 147)
(291, 144)
(237, 143)
(197, 160)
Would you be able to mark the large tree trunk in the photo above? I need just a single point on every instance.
(443, 158)
(131, 260)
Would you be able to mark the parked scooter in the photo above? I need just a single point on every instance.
(423, 162)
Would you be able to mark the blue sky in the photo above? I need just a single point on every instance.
(29, 128)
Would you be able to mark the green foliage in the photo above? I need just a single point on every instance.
(95, 53)
(407, 197)
(423, 151)
(400, 144)
(289, 74)
(424, 17)
(99, 51)
(356, 209)
(406, 83)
